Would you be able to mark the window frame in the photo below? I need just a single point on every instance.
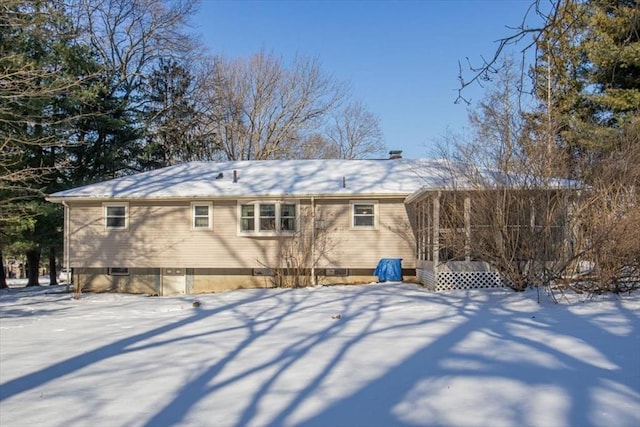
(375, 214)
(209, 216)
(118, 271)
(105, 211)
(282, 217)
(258, 218)
(251, 218)
(267, 223)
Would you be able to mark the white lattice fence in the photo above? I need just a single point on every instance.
(448, 280)
(427, 277)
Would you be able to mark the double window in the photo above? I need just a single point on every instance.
(116, 216)
(364, 215)
(268, 217)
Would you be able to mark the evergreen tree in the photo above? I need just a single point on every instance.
(43, 74)
(175, 127)
(612, 49)
(127, 39)
(587, 79)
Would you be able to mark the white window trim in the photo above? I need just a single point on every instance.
(193, 215)
(126, 214)
(277, 232)
(352, 213)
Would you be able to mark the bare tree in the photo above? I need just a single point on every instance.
(606, 240)
(128, 39)
(508, 214)
(352, 132)
(130, 36)
(584, 126)
(262, 107)
(355, 132)
(547, 13)
(298, 254)
(496, 123)
(314, 146)
(530, 226)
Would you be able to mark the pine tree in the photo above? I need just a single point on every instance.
(587, 79)
(175, 127)
(43, 74)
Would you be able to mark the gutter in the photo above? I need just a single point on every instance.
(339, 196)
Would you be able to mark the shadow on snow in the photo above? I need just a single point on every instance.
(439, 365)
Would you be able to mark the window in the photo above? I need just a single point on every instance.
(202, 215)
(118, 271)
(288, 217)
(268, 217)
(116, 216)
(364, 214)
(247, 218)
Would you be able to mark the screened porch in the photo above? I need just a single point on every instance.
(466, 239)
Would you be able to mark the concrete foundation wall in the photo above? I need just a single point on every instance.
(167, 281)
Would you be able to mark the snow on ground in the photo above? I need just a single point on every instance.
(388, 354)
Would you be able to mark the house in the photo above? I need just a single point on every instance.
(212, 226)
(207, 226)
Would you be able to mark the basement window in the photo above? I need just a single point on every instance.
(118, 271)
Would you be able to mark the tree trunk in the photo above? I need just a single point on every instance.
(3, 277)
(33, 267)
(53, 274)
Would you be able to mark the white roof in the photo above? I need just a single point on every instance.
(271, 178)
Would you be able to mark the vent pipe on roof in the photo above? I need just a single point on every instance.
(395, 154)
(235, 176)
(344, 182)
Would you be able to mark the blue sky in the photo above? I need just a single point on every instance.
(399, 57)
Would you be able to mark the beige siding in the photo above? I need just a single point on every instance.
(347, 247)
(160, 235)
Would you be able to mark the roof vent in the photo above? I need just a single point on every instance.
(395, 154)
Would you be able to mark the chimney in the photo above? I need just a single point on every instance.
(395, 154)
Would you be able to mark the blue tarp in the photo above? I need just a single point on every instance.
(389, 269)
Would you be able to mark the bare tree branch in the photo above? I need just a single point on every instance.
(260, 107)
(487, 67)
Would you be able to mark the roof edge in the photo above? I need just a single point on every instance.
(235, 197)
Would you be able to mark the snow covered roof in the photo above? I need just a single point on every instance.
(410, 178)
(271, 178)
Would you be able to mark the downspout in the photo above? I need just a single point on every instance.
(313, 242)
(66, 233)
